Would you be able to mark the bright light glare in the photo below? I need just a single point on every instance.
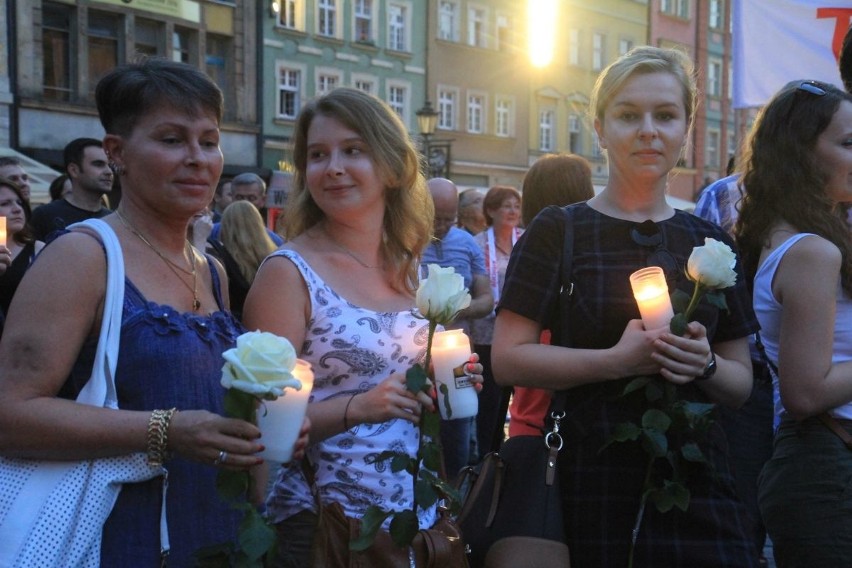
(541, 15)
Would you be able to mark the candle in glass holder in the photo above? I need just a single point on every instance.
(3, 231)
(281, 419)
(450, 354)
(652, 295)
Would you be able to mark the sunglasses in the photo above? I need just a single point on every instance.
(648, 235)
(813, 87)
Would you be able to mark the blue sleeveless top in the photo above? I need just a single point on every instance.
(167, 359)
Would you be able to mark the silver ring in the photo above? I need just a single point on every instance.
(223, 455)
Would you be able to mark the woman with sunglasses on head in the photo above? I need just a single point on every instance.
(643, 107)
(797, 248)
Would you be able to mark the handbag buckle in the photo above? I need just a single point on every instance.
(553, 439)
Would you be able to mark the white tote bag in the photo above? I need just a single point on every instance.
(52, 513)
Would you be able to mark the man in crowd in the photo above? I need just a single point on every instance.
(91, 178)
(249, 187)
(453, 247)
(11, 169)
(223, 197)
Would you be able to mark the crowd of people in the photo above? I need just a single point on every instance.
(360, 226)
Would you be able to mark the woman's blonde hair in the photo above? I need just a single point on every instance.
(643, 60)
(245, 237)
(409, 212)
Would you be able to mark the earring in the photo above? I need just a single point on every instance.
(116, 169)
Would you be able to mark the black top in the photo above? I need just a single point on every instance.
(59, 214)
(12, 277)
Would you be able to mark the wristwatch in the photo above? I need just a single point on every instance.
(709, 370)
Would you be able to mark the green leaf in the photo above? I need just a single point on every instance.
(656, 420)
(680, 301)
(678, 324)
(635, 385)
(232, 485)
(430, 424)
(425, 494)
(622, 432)
(239, 404)
(431, 455)
(662, 500)
(655, 443)
(416, 379)
(653, 392)
(255, 536)
(371, 522)
(717, 298)
(679, 493)
(402, 462)
(404, 527)
(445, 391)
(691, 452)
(698, 414)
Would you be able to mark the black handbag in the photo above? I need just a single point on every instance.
(512, 507)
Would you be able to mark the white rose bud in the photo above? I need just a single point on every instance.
(261, 364)
(442, 295)
(712, 265)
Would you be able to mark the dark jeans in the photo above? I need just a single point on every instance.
(295, 537)
(455, 439)
(749, 433)
(806, 496)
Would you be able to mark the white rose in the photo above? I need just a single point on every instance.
(712, 265)
(261, 364)
(442, 295)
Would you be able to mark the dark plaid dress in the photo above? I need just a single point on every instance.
(602, 489)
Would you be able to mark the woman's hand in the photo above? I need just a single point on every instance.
(389, 399)
(202, 436)
(634, 351)
(474, 370)
(5, 259)
(682, 359)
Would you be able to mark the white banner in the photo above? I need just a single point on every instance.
(777, 41)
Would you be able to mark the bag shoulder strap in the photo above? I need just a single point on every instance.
(102, 392)
(566, 293)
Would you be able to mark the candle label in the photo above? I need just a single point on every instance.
(462, 379)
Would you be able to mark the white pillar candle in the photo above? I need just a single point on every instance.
(652, 296)
(450, 354)
(281, 419)
(3, 231)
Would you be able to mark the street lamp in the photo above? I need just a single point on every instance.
(427, 119)
(436, 162)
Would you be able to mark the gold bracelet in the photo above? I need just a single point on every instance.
(158, 436)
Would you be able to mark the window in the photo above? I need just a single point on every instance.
(574, 46)
(679, 8)
(575, 141)
(503, 117)
(712, 150)
(476, 27)
(683, 9)
(624, 45)
(103, 45)
(717, 14)
(366, 85)
(597, 151)
(398, 99)
(397, 15)
(447, 109)
(475, 114)
(732, 142)
(545, 130)
(56, 47)
(503, 33)
(326, 82)
(149, 37)
(326, 17)
(714, 77)
(289, 93)
(448, 20)
(291, 14)
(218, 61)
(363, 20)
(598, 52)
(182, 45)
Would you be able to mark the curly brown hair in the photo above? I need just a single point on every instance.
(784, 180)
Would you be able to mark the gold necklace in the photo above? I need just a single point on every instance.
(196, 303)
(352, 254)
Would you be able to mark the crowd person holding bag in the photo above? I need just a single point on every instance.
(162, 123)
(643, 105)
(797, 248)
(342, 291)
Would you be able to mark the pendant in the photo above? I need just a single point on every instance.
(196, 304)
